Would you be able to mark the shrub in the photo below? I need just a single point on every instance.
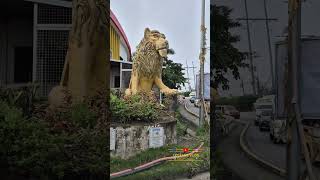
(82, 116)
(133, 108)
(22, 97)
(31, 147)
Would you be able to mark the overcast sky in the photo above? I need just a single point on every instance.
(179, 20)
(276, 9)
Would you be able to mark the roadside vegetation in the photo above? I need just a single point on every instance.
(133, 109)
(36, 143)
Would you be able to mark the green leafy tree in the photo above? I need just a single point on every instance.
(173, 75)
(226, 58)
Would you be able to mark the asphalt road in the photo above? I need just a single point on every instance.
(185, 114)
(234, 158)
(259, 143)
(191, 107)
(237, 161)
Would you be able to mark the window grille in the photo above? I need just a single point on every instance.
(52, 47)
(48, 14)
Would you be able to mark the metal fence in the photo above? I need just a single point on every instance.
(51, 32)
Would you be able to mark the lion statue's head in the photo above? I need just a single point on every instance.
(150, 53)
(159, 40)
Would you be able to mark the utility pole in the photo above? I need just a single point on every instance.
(294, 120)
(194, 75)
(250, 50)
(242, 86)
(187, 67)
(269, 44)
(293, 146)
(258, 87)
(192, 67)
(202, 59)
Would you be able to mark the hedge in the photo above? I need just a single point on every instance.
(32, 148)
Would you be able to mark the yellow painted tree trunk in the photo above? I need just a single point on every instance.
(86, 69)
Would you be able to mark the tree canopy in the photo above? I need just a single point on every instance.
(173, 75)
(226, 58)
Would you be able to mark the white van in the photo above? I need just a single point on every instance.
(260, 107)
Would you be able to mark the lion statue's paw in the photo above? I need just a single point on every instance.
(168, 91)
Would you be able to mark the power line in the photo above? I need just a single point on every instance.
(188, 78)
(250, 49)
(187, 68)
(266, 19)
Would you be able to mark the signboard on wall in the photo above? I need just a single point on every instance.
(112, 139)
(156, 137)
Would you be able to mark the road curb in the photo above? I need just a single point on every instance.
(254, 157)
(189, 111)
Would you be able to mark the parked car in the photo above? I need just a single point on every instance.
(197, 102)
(192, 99)
(265, 119)
(229, 110)
(218, 110)
(278, 132)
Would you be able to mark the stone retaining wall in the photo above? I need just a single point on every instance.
(134, 138)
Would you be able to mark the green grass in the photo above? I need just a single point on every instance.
(167, 170)
(118, 164)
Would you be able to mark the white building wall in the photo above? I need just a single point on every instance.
(123, 52)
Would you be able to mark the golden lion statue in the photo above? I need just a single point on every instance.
(147, 64)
